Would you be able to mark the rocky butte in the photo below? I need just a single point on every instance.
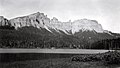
(40, 20)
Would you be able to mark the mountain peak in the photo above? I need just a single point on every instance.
(86, 24)
(36, 19)
(4, 21)
(37, 14)
(55, 20)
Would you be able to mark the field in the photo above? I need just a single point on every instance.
(47, 60)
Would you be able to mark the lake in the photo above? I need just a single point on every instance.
(68, 51)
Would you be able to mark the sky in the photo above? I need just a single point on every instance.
(106, 12)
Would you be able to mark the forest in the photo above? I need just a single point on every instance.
(30, 37)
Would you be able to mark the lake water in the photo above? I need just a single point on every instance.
(68, 51)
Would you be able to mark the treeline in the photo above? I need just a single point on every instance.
(107, 44)
(37, 41)
(7, 27)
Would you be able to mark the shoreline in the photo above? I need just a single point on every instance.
(62, 51)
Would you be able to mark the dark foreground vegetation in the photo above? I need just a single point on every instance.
(54, 63)
(111, 57)
(103, 60)
(107, 44)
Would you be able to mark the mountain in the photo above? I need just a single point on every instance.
(46, 32)
(40, 20)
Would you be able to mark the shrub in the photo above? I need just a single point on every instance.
(111, 57)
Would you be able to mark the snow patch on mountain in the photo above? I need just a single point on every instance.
(47, 29)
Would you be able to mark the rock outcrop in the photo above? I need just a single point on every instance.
(85, 24)
(37, 20)
(40, 20)
(4, 21)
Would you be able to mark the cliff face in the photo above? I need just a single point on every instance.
(37, 20)
(40, 20)
(4, 21)
(85, 24)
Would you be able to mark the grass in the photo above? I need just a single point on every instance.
(53, 63)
